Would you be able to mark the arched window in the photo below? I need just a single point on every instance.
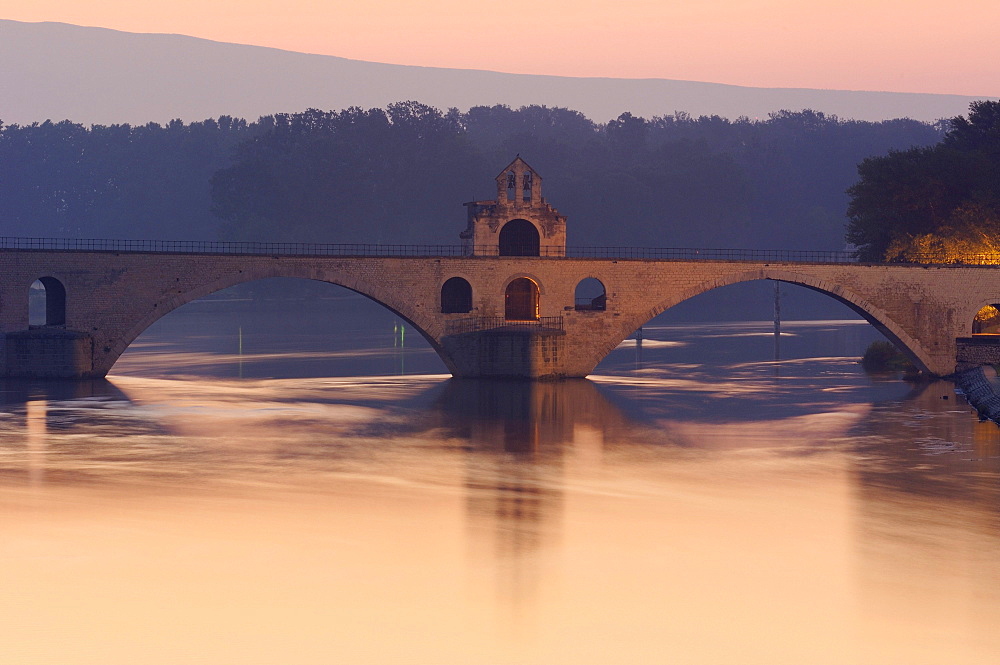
(987, 321)
(47, 302)
(590, 295)
(521, 300)
(456, 296)
(519, 237)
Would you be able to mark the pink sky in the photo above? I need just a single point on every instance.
(892, 45)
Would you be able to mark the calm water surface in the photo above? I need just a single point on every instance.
(245, 491)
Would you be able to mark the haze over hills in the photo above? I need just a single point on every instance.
(99, 76)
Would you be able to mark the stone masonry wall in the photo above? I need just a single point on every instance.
(973, 352)
(113, 297)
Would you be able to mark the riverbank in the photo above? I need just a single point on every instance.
(980, 391)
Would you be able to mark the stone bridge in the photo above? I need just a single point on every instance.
(505, 304)
(105, 300)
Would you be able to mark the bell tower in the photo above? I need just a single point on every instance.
(519, 222)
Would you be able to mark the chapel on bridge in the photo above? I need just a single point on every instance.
(519, 222)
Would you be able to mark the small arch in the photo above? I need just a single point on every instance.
(519, 237)
(590, 295)
(987, 321)
(47, 302)
(456, 296)
(521, 300)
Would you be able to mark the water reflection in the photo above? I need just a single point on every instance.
(949, 453)
(37, 416)
(20, 391)
(714, 513)
(927, 524)
(37, 431)
(518, 434)
(522, 417)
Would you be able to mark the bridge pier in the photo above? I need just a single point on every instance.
(48, 353)
(977, 351)
(507, 353)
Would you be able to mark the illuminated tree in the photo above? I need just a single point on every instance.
(987, 321)
(932, 204)
(971, 234)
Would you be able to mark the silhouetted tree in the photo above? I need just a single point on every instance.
(941, 201)
(65, 180)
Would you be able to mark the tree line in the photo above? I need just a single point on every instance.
(399, 175)
(938, 203)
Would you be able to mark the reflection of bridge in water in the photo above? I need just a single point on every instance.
(520, 437)
(525, 440)
(513, 301)
(526, 452)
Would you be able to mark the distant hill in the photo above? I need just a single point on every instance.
(99, 76)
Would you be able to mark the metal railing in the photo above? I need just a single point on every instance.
(225, 247)
(376, 250)
(709, 254)
(481, 323)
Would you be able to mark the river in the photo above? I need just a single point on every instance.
(249, 487)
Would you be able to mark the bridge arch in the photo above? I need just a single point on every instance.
(401, 306)
(866, 309)
(981, 320)
(456, 296)
(519, 237)
(54, 291)
(521, 299)
(539, 282)
(590, 294)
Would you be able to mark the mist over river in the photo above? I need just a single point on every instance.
(308, 485)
